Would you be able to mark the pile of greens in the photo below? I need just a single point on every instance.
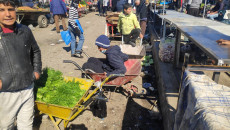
(52, 89)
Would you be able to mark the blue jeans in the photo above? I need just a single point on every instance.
(212, 16)
(74, 45)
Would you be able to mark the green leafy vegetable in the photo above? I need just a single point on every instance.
(52, 89)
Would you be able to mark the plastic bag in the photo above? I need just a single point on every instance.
(167, 48)
(66, 37)
(79, 25)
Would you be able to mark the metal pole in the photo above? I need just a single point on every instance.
(164, 31)
(164, 8)
(204, 8)
(106, 29)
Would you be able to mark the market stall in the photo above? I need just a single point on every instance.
(201, 34)
(111, 24)
(188, 41)
(203, 104)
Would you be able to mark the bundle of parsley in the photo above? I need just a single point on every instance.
(52, 89)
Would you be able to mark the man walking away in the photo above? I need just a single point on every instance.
(59, 11)
(76, 48)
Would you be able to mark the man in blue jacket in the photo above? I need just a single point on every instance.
(59, 11)
(114, 57)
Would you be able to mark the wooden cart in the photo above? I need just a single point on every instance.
(31, 15)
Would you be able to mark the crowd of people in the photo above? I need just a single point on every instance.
(217, 12)
(193, 7)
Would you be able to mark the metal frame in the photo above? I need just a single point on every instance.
(213, 68)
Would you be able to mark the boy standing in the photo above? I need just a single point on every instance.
(20, 65)
(128, 25)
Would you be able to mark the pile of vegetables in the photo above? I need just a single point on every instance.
(52, 89)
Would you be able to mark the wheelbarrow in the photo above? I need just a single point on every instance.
(133, 67)
(60, 113)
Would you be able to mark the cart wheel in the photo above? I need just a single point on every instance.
(99, 108)
(42, 21)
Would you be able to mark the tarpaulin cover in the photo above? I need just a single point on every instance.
(203, 104)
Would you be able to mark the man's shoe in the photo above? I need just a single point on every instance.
(132, 44)
(73, 55)
(78, 55)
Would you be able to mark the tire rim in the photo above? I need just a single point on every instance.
(43, 22)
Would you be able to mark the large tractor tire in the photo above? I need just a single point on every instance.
(42, 21)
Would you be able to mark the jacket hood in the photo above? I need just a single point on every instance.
(116, 49)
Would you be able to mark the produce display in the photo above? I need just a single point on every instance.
(26, 8)
(52, 89)
(167, 48)
(147, 60)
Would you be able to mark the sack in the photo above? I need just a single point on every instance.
(66, 37)
(94, 65)
(51, 19)
(167, 48)
(79, 25)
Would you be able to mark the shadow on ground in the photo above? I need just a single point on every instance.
(67, 49)
(137, 117)
(77, 127)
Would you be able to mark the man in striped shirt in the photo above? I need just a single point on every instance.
(75, 31)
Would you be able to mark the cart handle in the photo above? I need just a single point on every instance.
(78, 66)
(85, 53)
(73, 62)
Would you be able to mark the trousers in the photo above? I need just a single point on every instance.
(18, 106)
(56, 19)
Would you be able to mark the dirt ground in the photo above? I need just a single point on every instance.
(122, 112)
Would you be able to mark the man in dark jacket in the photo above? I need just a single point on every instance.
(20, 65)
(114, 57)
(141, 12)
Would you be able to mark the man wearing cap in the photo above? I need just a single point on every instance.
(114, 57)
(20, 65)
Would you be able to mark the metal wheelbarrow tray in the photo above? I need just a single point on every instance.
(133, 67)
(65, 113)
